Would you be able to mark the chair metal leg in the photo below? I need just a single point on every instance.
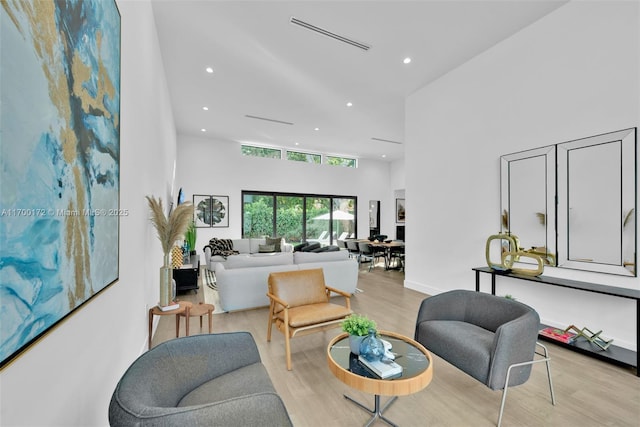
(546, 359)
(377, 411)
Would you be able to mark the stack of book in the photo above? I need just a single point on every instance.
(558, 335)
(382, 369)
(172, 306)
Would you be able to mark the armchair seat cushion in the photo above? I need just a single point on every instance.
(231, 386)
(464, 345)
(313, 314)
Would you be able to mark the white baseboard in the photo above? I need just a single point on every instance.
(421, 287)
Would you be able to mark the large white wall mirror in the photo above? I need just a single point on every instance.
(597, 203)
(528, 180)
(575, 202)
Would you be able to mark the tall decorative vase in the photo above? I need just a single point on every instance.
(166, 277)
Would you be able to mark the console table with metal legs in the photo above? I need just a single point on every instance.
(614, 354)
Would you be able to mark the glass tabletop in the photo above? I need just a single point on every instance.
(413, 361)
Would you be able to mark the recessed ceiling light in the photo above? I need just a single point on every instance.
(407, 60)
(316, 129)
(205, 108)
(209, 70)
(203, 130)
(297, 143)
(349, 104)
(384, 155)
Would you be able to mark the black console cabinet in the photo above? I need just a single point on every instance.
(187, 277)
(614, 354)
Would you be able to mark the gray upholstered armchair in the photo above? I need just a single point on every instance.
(491, 338)
(214, 379)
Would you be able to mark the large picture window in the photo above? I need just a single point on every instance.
(299, 217)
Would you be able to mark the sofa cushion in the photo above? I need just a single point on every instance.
(266, 249)
(242, 245)
(243, 288)
(254, 245)
(248, 380)
(276, 258)
(303, 257)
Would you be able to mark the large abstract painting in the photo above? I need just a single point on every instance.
(59, 162)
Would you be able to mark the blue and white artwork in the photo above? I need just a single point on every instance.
(59, 162)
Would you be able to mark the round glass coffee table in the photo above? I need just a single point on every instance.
(417, 371)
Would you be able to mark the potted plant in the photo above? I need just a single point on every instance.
(357, 326)
(190, 238)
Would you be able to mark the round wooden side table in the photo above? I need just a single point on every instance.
(185, 307)
(198, 310)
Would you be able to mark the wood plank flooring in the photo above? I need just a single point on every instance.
(588, 392)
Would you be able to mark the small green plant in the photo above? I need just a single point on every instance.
(190, 236)
(357, 324)
(509, 296)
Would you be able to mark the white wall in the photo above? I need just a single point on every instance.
(572, 74)
(67, 378)
(217, 167)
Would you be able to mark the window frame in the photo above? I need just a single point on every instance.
(304, 196)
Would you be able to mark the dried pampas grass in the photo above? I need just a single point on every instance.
(172, 228)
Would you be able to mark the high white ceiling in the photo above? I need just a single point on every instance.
(265, 66)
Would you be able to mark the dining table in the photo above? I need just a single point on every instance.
(387, 247)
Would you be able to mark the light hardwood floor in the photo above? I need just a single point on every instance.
(588, 392)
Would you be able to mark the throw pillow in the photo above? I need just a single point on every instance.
(299, 247)
(265, 249)
(276, 242)
(311, 247)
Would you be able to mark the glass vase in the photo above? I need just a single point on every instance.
(371, 347)
(166, 278)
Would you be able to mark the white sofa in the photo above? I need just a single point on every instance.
(245, 247)
(242, 280)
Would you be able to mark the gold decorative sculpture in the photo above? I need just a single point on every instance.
(508, 242)
(510, 258)
(511, 253)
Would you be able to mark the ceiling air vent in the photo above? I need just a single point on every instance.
(268, 120)
(327, 33)
(386, 140)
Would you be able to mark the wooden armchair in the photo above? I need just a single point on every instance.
(300, 304)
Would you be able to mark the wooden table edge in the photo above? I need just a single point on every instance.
(397, 387)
